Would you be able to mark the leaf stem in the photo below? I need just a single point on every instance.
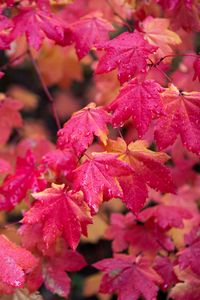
(176, 55)
(155, 65)
(45, 88)
(120, 134)
(164, 74)
(11, 61)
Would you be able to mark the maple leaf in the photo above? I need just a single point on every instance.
(148, 238)
(190, 256)
(9, 117)
(61, 213)
(5, 26)
(37, 144)
(15, 187)
(196, 66)
(54, 271)
(60, 161)
(135, 192)
(148, 170)
(128, 276)
(36, 242)
(89, 31)
(182, 114)
(53, 267)
(5, 167)
(188, 288)
(183, 13)
(15, 263)
(128, 52)
(166, 216)
(8, 2)
(164, 267)
(156, 32)
(43, 4)
(169, 4)
(66, 68)
(97, 178)
(117, 230)
(42, 24)
(139, 100)
(79, 131)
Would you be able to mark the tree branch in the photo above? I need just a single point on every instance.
(45, 88)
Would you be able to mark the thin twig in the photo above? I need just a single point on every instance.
(164, 74)
(155, 65)
(174, 56)
(9, 225)
(46, 90)
(11, 61)
(120, 134)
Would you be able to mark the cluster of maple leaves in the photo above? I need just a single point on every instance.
(156, 245)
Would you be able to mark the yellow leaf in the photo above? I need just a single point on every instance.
(157, 33)
(96, 230)
(59, 65)
(91, 287)
(26, 97)
(22, 294)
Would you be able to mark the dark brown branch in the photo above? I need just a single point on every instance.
(46, 90)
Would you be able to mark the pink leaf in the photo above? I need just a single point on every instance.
(79, 131)
(182, 115)
(61, 213)
(139, 100)
(15, 187)
(129, 277)
(128, 53)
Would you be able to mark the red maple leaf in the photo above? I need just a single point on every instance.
(15, 187)
(139, 100)
(54, 271)
(43, 4)
(148, 238)
(117, 230)
(135, 192)
(148, 169)
(128, 276)
(79, 131)
(182, 115)
(5, 26)
(8, 2)
(196, 66)
(88, 32)
(190, 257)
(5, 166)
(41, 24)
(39, 146)
(169, 4)
(9, 117)
(166, 216)
(36, 242)
(164, 267)
(15, 262)
(128, 52)
(97, 178)
(183, 13)
(60, 161)
(61, 213)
